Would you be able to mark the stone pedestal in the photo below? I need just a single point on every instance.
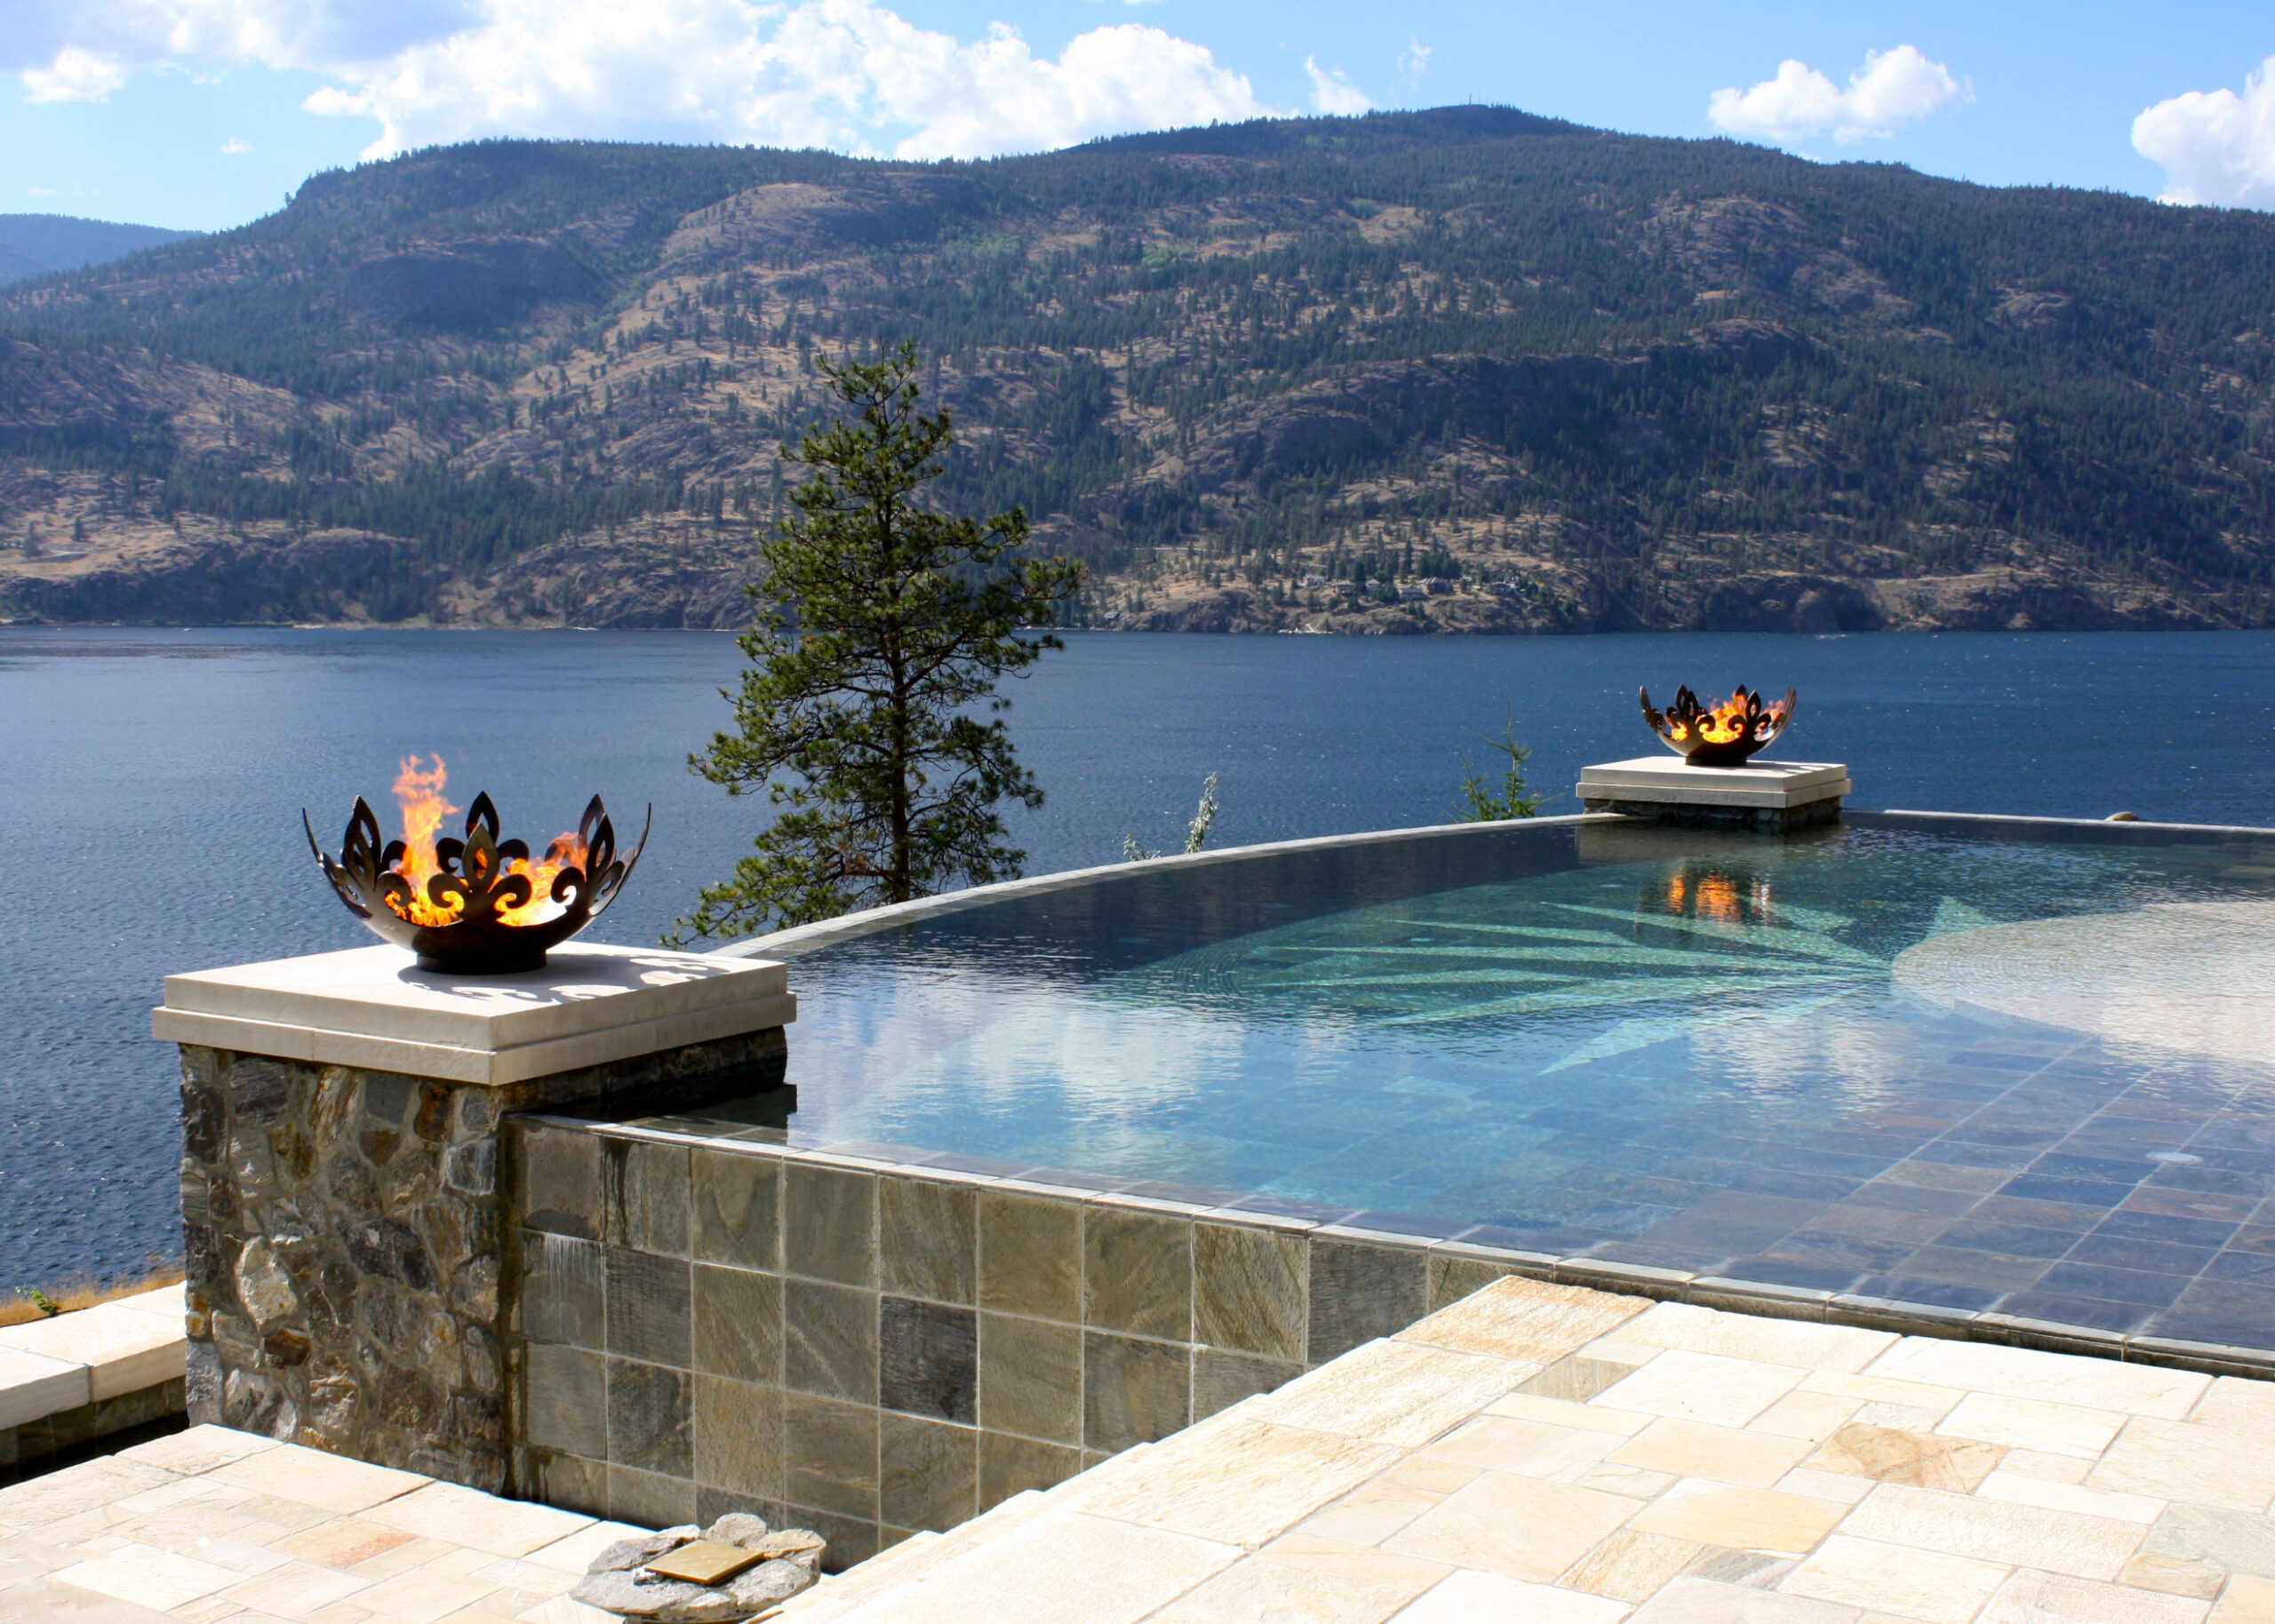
(340, 1180)
(1773, 797)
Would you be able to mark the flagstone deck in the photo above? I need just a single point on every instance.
(211, 1527)
(1549, 1455)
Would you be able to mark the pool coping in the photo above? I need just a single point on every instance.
(1761, 1298)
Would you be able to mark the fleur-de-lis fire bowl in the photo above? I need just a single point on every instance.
(1718, 735)
(480, 906)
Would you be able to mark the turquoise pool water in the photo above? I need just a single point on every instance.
(1665, 1047)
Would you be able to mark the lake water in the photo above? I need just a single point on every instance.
(153, 784)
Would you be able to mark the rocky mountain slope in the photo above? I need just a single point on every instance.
(1465, 371)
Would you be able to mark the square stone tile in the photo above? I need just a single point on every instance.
(1471, 1597)
(2236, 1540)
(829, 1224)
(649, 1499)
(560, 1179)
(829, 1452)
(1892, 1579)
(1133, 1391)
(650, 1419)
(1704, 1387)
(1137, 1273)
(150, 1577)
(1249, 1287)
(565, 1406)
(737, 1324)
(1221, 1380)
(648, 1298)
(1031, 1255)
(2056, 1495)
(1503, 1443)
(1518, 1318)
(927, 1359)
(927, 1472)
(1744, 1519)
(342, 1542)
(738, 1436)
(2026, 1372)
(1031, 1378)
(829, 1340)
(1369, 1514)
(1358, 1292)
(564, 1291)
(736, 1201)
(1703, 1601)
(1009, 1466)
(1630, 1566)
(927, 1242)
(1478, 1525)
(644, 1188)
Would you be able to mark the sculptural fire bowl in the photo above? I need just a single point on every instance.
(477, 906)
(1723, 735)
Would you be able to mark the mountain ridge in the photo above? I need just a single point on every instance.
(1283, 375)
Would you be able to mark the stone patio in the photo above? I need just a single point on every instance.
(1550, 1455)
(211, 1526)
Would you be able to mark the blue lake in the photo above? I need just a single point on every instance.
(150, 805)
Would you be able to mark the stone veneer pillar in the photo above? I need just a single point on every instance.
(341, 1125)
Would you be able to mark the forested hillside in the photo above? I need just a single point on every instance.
(1465, 369)
(32, 244)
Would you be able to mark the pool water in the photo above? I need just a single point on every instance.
(1663, 1046)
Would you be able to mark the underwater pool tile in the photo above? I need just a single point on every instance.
(2012, 1239)
(2062, 1163)
(1959, 1153)
(2220, 1180)
(2095, 1313)
(2191, 1205)
(1999, 1208)
(1881, 1224)
(2221, 1312)
(1935, 1174)
(2114, 1285)
(1830, 1249)
(2071, 1193)
(2161, 1257)
(1960, 1266)
(1990, 1060)
(2130, 1223)
(1926, 1200)
(1935, 1294)
(1737, 1221)
(1776, 1271)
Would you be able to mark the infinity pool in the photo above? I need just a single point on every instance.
(1982, 1065)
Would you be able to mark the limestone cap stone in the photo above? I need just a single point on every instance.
(591, 1004)
(1775, 785)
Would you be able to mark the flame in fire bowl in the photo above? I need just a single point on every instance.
(480, 906)
(1722, 736)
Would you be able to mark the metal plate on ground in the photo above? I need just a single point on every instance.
(705, 1561)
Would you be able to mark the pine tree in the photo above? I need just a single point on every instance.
(889, 624)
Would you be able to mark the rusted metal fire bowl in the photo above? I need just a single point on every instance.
(463, 918)
(1718, 735)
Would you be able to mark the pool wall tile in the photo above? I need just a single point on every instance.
(1031, 1378)
(649, 1499)
(928, 1239)
(564, 1294)
(648, 1314)
(1134, 1390)
(829, 1223)
(737, 1209)
(928, 1473)
(829, 1455)
(1009, 1466)
(650, 1419)
(829, 1340)
(927, 1359)
(1137, 1271)
(644, 1197)
(1221, 1379)
(1453, 1275)
(737, 1324)
(1031, 1255)
(1251, 1293)
(561, 1180)
(737, 1436)
(1359, 1291)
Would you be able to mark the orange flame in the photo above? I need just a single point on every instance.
(420, 794)
(418, 791)
(1726, 722)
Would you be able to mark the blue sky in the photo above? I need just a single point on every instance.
(207, 113)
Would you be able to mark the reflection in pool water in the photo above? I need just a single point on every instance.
(1670, 1049)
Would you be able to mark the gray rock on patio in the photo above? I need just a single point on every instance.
(618, 1583)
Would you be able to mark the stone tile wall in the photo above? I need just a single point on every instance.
(869, 1348)
(345, 1250)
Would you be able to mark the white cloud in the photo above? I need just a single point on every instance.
(1892, 88)
(1332, 93)
(850, 75)
(76, 75)
(233, 145)
(2216, 146)
(1413, 61)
